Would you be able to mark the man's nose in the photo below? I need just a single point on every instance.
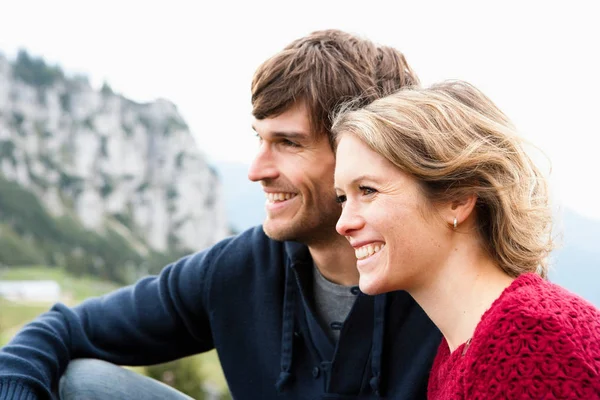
(263, 166)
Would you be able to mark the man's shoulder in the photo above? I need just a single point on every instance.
(244, 253)
(250, 238)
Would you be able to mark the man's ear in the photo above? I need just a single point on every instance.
(460, 210)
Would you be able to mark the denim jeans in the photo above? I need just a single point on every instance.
(88, 379)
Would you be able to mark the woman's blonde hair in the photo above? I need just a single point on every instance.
(456, 142)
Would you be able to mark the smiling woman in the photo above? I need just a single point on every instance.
(386, 220)
(440, 199)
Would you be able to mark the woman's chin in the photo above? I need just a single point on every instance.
(369, 286)
(372, 272)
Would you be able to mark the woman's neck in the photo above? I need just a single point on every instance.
(460, 292)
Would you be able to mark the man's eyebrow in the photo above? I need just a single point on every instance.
(288, 135)
(291, 135)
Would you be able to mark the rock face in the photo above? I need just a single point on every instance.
(106, 159)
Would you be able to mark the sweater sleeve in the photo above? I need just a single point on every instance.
(160, 318)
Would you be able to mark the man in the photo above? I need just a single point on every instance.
(278, 302)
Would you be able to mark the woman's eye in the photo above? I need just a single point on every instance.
(367, 190)
(341, 199)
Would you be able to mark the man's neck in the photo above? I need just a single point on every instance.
(336, 261)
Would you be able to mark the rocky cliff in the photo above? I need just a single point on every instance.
(107, 160)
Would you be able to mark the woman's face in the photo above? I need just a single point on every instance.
(397, 236)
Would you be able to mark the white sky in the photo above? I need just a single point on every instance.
(538, 60)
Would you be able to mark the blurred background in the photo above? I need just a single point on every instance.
(125, 132)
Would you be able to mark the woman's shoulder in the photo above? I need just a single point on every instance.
(539, 332)
(535, 310)
(532, 305)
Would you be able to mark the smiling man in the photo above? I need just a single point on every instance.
(294, 166)
(279, 302)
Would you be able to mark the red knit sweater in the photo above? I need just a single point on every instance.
(537, 341)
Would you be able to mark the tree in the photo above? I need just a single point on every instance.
(34, 71)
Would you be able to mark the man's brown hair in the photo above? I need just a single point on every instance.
(325, 69)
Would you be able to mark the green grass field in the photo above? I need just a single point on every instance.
(73, 291)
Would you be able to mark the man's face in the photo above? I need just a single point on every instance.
(295, 167)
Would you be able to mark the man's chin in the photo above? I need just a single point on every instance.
(277, 232)
(302, 233)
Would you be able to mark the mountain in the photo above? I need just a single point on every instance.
(575, 264)
(92, 169)
(244, 199)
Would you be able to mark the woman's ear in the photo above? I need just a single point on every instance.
(460, 210)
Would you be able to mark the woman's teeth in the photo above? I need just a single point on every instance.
(368, 250)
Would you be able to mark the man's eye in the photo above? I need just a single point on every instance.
(367, 190)
(289, 143)
(341, 199)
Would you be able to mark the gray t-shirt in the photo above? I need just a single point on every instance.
(333, 303)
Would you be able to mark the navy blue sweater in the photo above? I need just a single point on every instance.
(250, 298)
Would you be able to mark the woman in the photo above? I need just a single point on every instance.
(440, 199)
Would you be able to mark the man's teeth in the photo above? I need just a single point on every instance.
(368, 250)
(273, 197)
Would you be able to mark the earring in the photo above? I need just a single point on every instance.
(455, 223)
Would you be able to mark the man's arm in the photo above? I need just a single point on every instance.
(158, 319)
